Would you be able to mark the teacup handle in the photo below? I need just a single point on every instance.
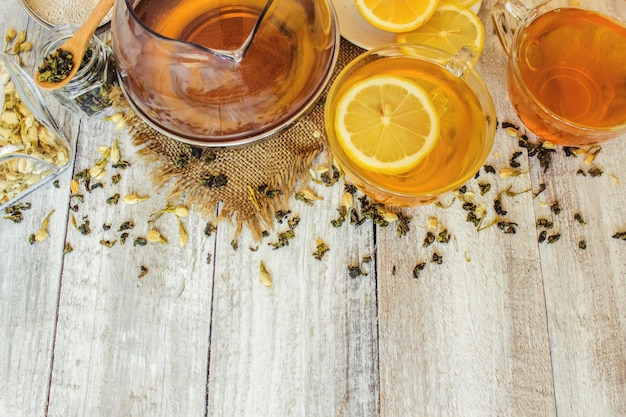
(507, 15)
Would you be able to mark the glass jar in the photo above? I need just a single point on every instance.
(33, 151)
(88, 91)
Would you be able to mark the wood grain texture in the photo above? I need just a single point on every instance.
(307, 346)
(30, 276)
(504, 326)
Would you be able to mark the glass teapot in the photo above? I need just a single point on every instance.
(223, 72)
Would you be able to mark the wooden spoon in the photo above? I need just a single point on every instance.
(78, 43)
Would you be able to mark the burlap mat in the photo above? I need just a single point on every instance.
(253, 181)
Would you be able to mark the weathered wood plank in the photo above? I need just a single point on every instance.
(469, 336)
(129, 344)
(586, 288)
(307, 346)
(30, 275)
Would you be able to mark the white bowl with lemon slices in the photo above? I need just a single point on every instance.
(371, 33)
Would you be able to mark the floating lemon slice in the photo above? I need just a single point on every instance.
(386, 124)
(449, 29)
(396, 15)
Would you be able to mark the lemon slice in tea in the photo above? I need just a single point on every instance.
(386, 124)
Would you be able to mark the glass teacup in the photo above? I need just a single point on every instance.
(463, 105)
(566, 67)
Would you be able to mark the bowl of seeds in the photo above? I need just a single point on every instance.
(33, 151)
(51, 13)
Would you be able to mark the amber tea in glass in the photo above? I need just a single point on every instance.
(223, 71)
(467, 119)
(567, 71)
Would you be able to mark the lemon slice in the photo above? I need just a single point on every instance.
(396, 15)
(462, 3)
(449, 29)
(386, 124)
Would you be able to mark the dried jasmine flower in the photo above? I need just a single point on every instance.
(307, 196)
(183, 236)
(418, 268)
(265, 277)
(134, 199)
(154, 235)
(179, 211)
(508, 173)
(484, 187)
(116, 179)
(42, 233)
(555, 208)
(123, 238)
(320, 249)
(140, 241)
(234, 244)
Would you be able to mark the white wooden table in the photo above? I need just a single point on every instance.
(505, 326)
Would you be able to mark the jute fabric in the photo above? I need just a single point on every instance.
(252, 182)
